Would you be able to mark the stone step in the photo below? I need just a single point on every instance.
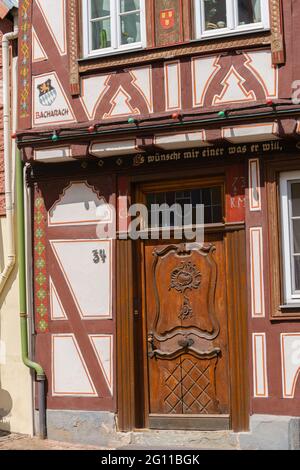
(225, 440)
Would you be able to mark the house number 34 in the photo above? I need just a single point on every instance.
(99, 255)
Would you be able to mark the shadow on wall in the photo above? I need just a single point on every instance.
(6, 405)
(6, 402)
(2, 260)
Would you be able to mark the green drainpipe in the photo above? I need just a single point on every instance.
(40, 374)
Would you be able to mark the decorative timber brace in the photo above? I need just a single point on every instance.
(73, 15)
(277, 40)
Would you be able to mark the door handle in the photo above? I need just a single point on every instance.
(151, 345)
(186, 342)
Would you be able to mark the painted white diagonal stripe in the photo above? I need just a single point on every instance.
(70, 375)
(103, 347)
(54, 14)
(57, 310)
(38, 52)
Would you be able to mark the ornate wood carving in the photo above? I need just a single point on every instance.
(216, 45)
(185, 346)
(73, 45)
(190, 387)
(277, 41)
(184, 277)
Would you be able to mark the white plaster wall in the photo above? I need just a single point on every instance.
(15, 378)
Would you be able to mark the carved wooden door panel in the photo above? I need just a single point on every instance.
(186, 318)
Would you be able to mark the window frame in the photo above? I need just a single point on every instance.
(200, 187)
(232, 21)
(117, 47)
(286, 179)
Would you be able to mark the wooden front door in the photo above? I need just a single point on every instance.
(185, 325)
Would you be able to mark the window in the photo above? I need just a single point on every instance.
(290, 220)
(217, 17)
(112, 25)
(210, 197)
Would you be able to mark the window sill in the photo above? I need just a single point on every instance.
(287, 312)
(295, 306)
(209, 36)
(111, 53)
(196, 46)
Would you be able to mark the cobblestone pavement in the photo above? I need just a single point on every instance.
(19, 442)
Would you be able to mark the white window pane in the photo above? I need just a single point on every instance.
(129, 5)
(130, 28)
(215, 14)
(290, 197)
(249, 11)
(295, 194)
(101, 34)
(100, 8)
(296, 235)
(297, 272)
